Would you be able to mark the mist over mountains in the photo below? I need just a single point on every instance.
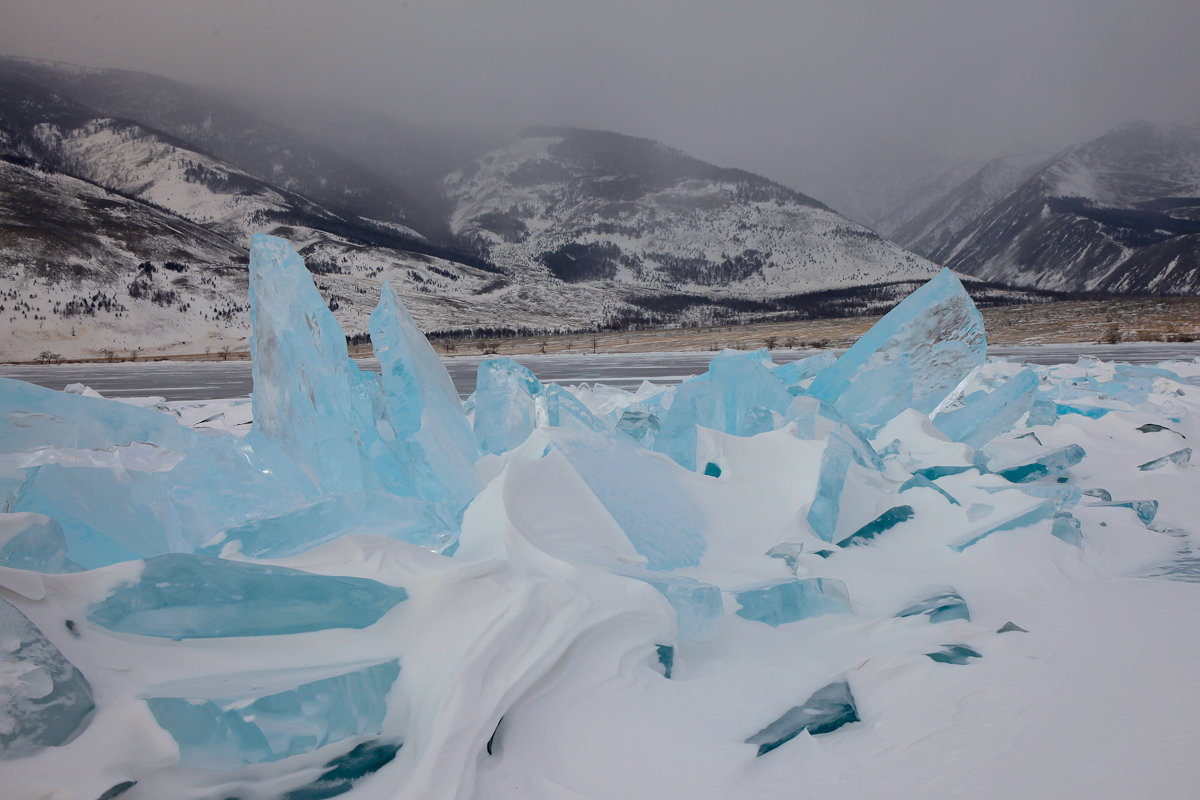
(129, 199)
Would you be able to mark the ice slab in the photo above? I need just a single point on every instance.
(406, 519)
(33, 542)
(1179, 457)
(986, 415)
(789, 552)
(229, 732)
(954, 654)
(1146, 510)
(1048, 465)
(343, 772)
(698, 606)
(302, 371)
(1067, 528)
(912, 358)
(643, 494)
(564, 410)
(44, 699)
(828, 709)
(642, 426)
(794, 373)
(505, 400)
(940, 607)
(884, 522)
(423, 408)
(666, 658)
(793, 599)
(186, 597)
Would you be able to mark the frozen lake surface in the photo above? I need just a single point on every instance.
(178, 380)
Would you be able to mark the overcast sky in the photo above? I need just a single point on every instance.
(789, 89)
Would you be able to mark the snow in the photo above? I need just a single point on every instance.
(1009, 615)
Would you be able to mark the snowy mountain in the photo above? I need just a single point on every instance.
(228, 132)
(632, 216)
(954, 200)
(1118, 214)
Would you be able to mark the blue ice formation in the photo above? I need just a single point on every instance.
(341, 773)
(34, 542)
(641, 426)
(1067, 528)
(423, 408)
(1146, 510)
(794, 373)
(738, 395)
(506, 400)
(194, 597)
(789, 552)
(828, 709)
(1179, 457)
(303, 396)
(986, 415)
(565, 410)
(125, 483)
(954, 654)
(644, 496)
(912, 358)
(793, 599)
(44, 699)
(1036, 514)
(884, 522)
(407, 519)
(942, 606)
(229, 732)
(698, 606)
(1053, 465)
(825, 510)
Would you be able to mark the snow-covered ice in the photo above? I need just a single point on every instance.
(909, 572)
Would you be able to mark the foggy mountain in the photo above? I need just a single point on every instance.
(561, 229)
(1120, 213)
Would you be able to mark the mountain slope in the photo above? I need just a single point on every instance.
(632, 215)
(1118, 214)
(955, 201)
(230, 134)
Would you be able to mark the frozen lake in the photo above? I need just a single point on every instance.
(177, 380)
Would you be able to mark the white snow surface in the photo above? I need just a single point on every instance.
(1097, 699)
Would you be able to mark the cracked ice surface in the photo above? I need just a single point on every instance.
(560, 592)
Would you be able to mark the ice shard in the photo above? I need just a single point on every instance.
(746, 389)
(792, 599)
(884, 522)
(954, 654)
(794, 373)
(33, 542)
(1179, 458)
(44, 699)
(642, 492)
(828, 709)
(229, 732)
(940, 607)
(408, 519)
(641, 426)
(506, 398)
(698, 606)
(695, 403)
(1053, 465)
(302, 370)
(343, 772)
(195, 597)
(564, 410)
(986, 415)
(423, 408)
(912, 358)
(1067, 528)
